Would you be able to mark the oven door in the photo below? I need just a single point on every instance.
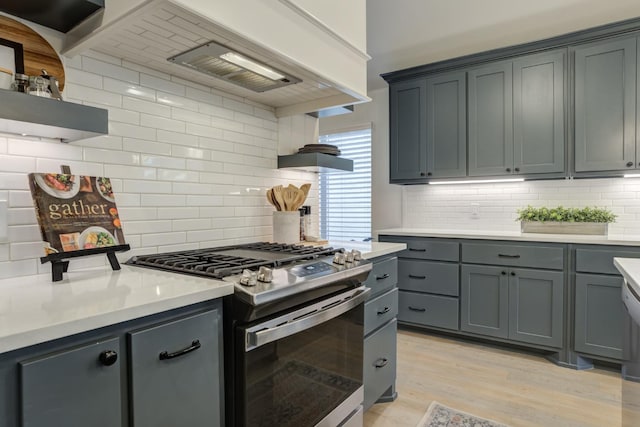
(303, 368)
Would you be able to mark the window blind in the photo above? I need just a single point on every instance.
(345, 197)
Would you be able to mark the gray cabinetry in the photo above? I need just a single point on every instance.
(599, 309)
(380, 311)
(119, 376)
(491, 119)
(510, 302)
(605, 105)
(539, 113)
(174, 373)
(75, 387)
(408, 132)
(446, 126)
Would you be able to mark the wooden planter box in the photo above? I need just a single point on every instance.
(553, 227)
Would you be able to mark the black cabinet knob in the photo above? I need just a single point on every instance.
(422, 174)
(517, 169)
(513, 273)
(508, 169)
(428, 173)
(503, 272)
(108, 357)
(629, 164)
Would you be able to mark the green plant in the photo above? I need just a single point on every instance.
(561, 214)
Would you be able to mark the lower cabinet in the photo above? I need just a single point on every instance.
(428, 310)
(379, 363)
(524, 305)
(380, 330)
(161, 370)
(599, 315)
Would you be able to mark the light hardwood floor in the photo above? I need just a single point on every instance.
(511, 387)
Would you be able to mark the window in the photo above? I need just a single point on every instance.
(345, 197)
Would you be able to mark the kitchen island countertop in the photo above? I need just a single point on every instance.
(630, 270)
(370, 250)
(611, 239)
(33, 309)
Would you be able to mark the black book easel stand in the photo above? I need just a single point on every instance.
(60, 264)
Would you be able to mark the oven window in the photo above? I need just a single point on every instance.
(299, 379)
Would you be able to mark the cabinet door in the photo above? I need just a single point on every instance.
(73, 388)
(408, 131)
(599, 315)
(491, 120)
(539, 113)
(484, 300)
(379, 363)
(175, 373)
(536, 303)
(446, 126)
(605, 105)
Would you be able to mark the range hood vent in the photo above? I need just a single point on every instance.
(224, 63)
(315, 162)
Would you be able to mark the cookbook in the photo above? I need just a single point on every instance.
(75, 212)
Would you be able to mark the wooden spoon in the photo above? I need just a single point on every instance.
(290, 195)
(277, 193)
(305, 188)
(299, 200)
(271, 199)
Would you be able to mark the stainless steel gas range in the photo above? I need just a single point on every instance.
(293, 330)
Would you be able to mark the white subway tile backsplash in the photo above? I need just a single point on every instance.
(189, 164)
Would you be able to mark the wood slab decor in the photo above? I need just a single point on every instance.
(38, 53)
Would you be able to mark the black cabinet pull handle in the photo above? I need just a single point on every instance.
(193, 347)
(422, 173)
(381, 363)
(420, 309)
(384, 276)
(513, 273)
(508, 256)
(508, 169)
(417, 250)
(412, 276)
(383, 311)
(503, 273)
(108, 357)
(517, 169)
(629, 164)
(428, 173)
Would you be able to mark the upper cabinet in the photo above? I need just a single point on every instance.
(428, 128)
(507, 118)
(301, 39)
(605, 106)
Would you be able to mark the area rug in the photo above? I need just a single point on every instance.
(439, 415)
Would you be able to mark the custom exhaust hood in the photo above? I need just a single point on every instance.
(316, 68)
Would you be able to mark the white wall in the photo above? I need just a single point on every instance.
(189, 165)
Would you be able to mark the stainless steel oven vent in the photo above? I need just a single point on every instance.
(224, 63)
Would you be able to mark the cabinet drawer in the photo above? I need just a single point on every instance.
(183, 388)
(383, 276)
(72, 388)
(425, 248)
(601, 260)
(379, 366)
(380, 310)
(428, 276)
(534, 256)
(428, 310)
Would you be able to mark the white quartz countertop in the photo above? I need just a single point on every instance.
(33, 309)
(611, 239)
(630, 270)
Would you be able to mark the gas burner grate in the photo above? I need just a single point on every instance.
(210, 262)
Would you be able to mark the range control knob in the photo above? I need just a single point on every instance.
(265, 274)
(339, 258)
(357, 255)
(349, 257)
(249, 278)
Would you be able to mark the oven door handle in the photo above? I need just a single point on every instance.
(260, 336)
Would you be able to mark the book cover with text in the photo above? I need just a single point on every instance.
(75, 212)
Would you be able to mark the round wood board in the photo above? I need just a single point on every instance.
(38, 53)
